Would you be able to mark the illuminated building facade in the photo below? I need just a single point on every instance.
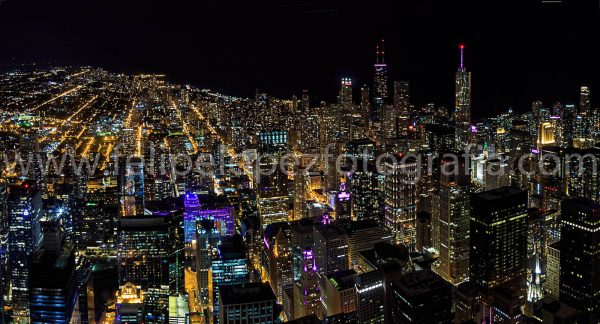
(131, 182)
(451, 214)
(271, 180)
(580, 257)
(306, 291)
(146, 259)
(462, 106)
(217, 210)
(248, 303)
(401, 199)
(25, 239)
(498, 248)
(380, 80)
(228, 267)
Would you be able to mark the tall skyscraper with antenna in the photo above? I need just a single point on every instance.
(380, 90)
(462, 113)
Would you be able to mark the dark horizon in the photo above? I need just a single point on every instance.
(517, 53)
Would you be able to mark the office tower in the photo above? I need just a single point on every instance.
(421, 297)
(278, 258)
(363, 235)
(552, 282)
(380, 90)
(216, 209)
(567, 129)
(400, 199)
(376, 269)
(85, 292)
(330, 248)
(228, 267)
(580, 257)
(339, 295)
(145, 246)
(131, 184)
(584, 101)
(25, 240)
(345, 96)
(305, 101)
(467, 299)
(271, 180)
(424, 230)
(53, 287)
(208, 239)
(309, 130)
(439, 138)
(306, 291)
(498, 248)
(331, 177)
(248, 303)
(342, 204)
(451, 214)
(95, 216)
(363, 193)
(402, 97)
(302, 237)
(365, 101)
(462, 113)
(537, 117)
(300, 191)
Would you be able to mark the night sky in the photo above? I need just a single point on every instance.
(517, 52)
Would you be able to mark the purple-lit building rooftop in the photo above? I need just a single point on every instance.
(207, 207)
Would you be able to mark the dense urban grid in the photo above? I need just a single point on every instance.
(129, 199)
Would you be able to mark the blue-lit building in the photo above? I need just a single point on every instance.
(248, 303)
(24, 242)
(212, 208)
(53, 288)
(229, 267)
(271, 180)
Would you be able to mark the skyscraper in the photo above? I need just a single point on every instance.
(498, 248)
(24, 242)
(580, 257)
(421, 297)
(402, 96)
(400, 199)
(131, 182)
(248, 303)
(451, 214)
(380, 79)
(271, 180)
(145, 247)
(462, 113)
(345, 96)
(306, 291)
(53, 287)
(584, 101)
(229, 267)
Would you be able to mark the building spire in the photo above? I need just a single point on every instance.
(377, 55)
(462, 55)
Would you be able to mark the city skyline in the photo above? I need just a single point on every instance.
(299, 161)
(151, 38)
